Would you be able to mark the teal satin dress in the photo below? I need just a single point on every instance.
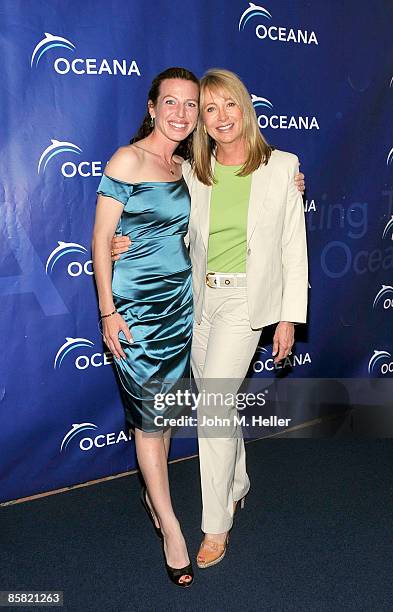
(152, 290)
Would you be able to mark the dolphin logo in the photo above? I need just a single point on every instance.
(63, 249)
(381, 293)
(253, 11)
(376, 357)
(389, 157)
(261, 349)
(55, 148)
(69, 345)
(75, 429)
(388, 227)
(49, 42)
(258, 101)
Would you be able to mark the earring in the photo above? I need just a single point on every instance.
(152, 122)
(204, 129)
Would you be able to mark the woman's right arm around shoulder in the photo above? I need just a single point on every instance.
(108, 213)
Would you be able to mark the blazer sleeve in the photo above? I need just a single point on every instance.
(294, 254)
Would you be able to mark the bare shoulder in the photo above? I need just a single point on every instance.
(124, 164)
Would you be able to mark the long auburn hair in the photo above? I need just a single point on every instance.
(184, 147)
(258, 150)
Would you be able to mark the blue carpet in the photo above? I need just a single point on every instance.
(315, 535)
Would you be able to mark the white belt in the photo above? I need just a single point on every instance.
(223, 280)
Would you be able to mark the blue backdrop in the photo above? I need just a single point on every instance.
(74, 78)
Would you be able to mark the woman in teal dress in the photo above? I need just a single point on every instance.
(146, 303)
(151, 287)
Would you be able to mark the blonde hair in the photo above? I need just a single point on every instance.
(258, 150)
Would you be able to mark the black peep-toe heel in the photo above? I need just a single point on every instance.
(175, 574)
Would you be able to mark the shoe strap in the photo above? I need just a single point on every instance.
(213, 545)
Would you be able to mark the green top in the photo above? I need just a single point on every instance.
(228, 220)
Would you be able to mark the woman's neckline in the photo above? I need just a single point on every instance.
(158, 155)
(143, 182)
(229, 166)
(170, 165)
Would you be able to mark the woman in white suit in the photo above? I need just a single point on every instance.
(248, 250)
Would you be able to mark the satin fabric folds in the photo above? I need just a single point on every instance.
(152, 291)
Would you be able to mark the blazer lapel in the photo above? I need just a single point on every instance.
(203, 204)
(259, 187)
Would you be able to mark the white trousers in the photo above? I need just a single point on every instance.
(223, 346)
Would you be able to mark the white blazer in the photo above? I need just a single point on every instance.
(276, 266)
